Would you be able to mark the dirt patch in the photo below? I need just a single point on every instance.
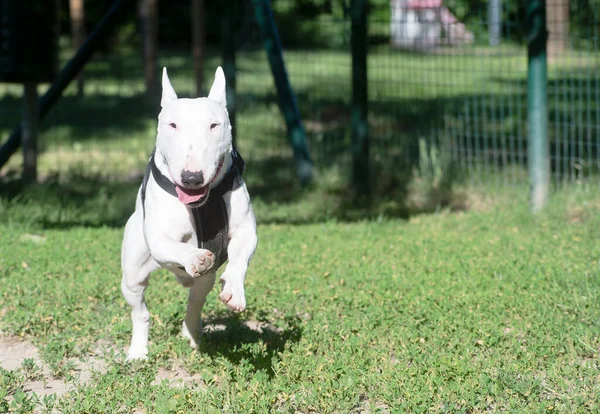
(14, 351)
(177, 377)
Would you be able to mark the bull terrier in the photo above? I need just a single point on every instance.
(192, 213)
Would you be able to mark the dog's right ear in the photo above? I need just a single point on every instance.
(168, 93)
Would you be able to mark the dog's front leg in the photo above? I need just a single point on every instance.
(168, 251)
(242, 244)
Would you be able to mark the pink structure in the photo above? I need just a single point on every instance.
(418, 24)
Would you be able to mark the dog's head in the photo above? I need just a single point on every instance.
(194, 139)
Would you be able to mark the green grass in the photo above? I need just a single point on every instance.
(466, 312)
(473, 307)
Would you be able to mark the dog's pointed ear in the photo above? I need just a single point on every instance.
(168, 93)
(217, 91)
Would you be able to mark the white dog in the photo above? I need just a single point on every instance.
(192, 212)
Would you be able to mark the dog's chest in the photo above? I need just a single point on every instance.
(211, 224)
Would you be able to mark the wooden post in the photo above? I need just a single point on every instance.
(148, 10)
(557, 17)
(198, 42)
(76, 9)
(30, 131)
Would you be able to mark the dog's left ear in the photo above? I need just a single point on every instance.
(217, 91)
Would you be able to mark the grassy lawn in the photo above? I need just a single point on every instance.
(487, 310)
(443, 295)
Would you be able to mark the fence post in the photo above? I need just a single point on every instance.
(30, 132)
(360, 127)
(287, 99)
(538, 155)
(495, 21)
(229, 67)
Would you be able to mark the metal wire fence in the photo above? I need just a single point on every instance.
(449, 92)
(446, 82)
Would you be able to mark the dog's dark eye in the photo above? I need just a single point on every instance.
(213, 126)
(173, 125)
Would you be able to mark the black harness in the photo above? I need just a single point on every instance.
(210, 219)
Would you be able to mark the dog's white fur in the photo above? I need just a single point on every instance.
(166, 237)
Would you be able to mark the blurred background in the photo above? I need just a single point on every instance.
(447, 113)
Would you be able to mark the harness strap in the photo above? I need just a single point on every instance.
(210, 219)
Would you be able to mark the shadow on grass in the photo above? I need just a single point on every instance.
(65, 202)
(77, 199)
(230, 340)
(431, 142)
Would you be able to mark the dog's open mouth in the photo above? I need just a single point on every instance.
(191, 195)
(196, 196)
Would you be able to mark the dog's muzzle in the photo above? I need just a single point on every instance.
(195, 197)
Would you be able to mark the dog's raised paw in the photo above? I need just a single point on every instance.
(233, 296)
(200, 263)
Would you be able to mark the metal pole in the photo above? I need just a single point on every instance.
(229, 67)
(495, 21)
(70, 71)
(537, 110)
(30, 131)
(287, 99)
(360, 127)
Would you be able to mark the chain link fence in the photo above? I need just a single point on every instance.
(447, 89)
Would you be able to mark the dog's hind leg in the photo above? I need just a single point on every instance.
(133, 286)
(137, 265)
(192, 325)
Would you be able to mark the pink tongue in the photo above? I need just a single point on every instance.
(189, 196)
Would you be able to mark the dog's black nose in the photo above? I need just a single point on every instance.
(192, 179)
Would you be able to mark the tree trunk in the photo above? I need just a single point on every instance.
(77, 12)
(198, 42)
(148, 10)
(557, 16)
